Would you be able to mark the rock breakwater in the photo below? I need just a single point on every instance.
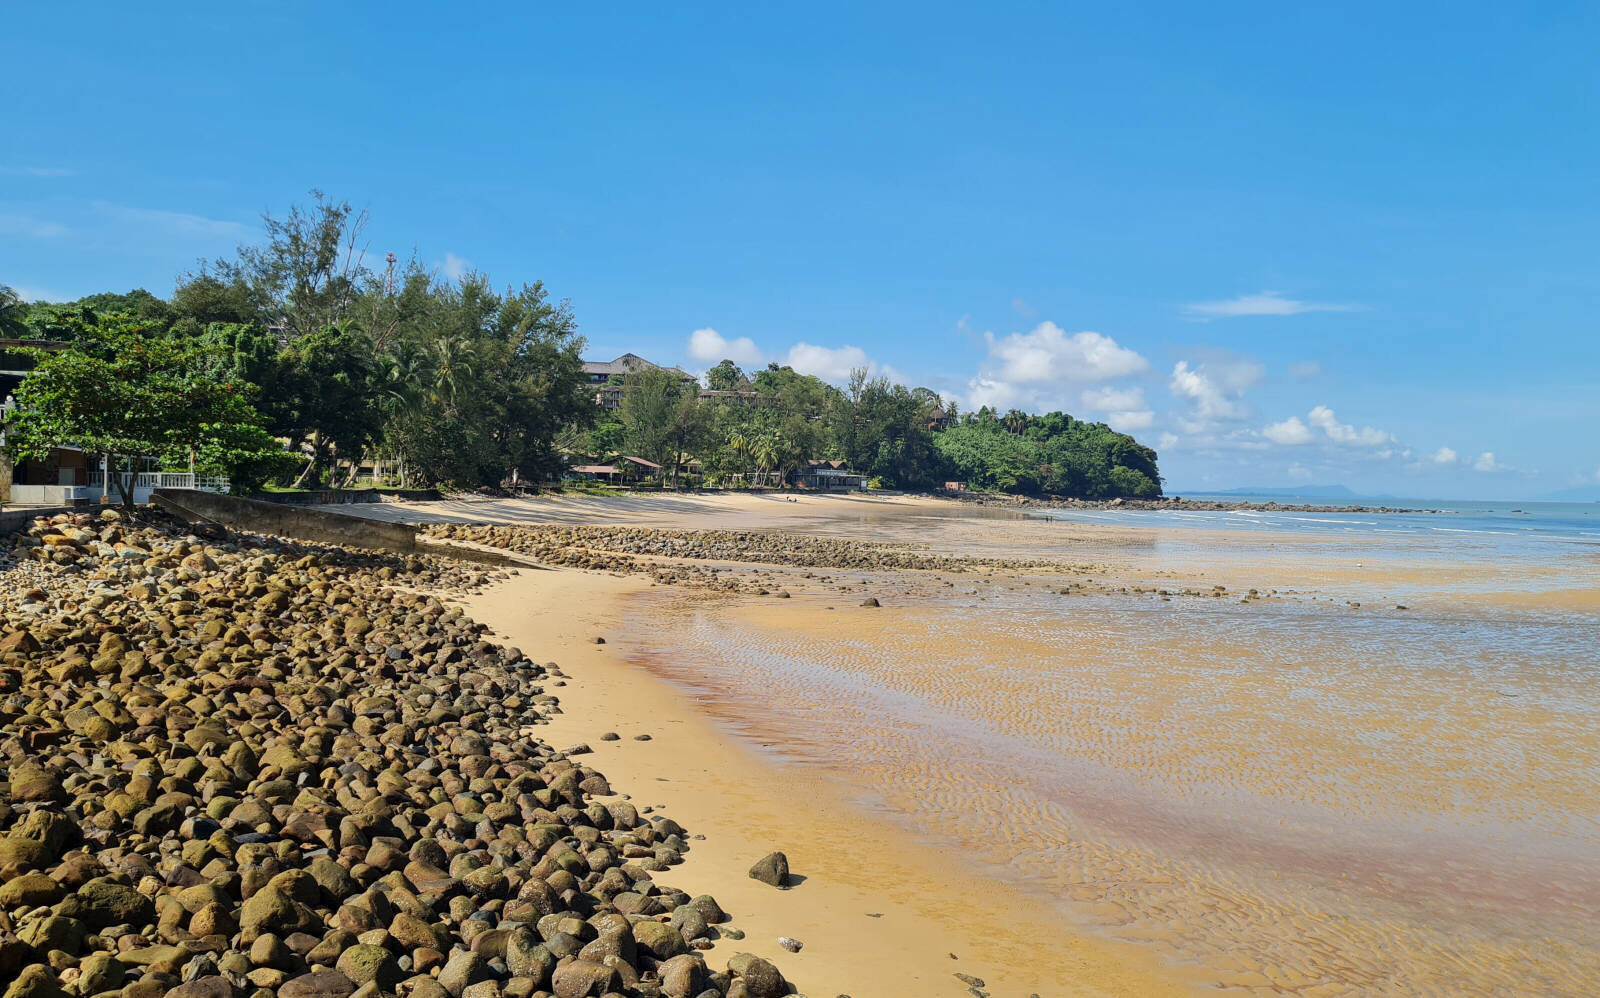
(237, 766)
(621, 548)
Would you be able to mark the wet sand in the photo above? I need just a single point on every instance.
(1305, 791)
(878, 912)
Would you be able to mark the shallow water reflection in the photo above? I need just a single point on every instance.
(1294, 796)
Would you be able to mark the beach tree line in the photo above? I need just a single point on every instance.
(344, 359)
(756, 429)
(302, 361)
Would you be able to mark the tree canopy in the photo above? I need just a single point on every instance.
(459, 381)
(123, 388)
(1053, 454)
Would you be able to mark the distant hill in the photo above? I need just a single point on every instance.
(1300, 492)
(1580, 493)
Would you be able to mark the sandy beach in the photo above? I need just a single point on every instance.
(878, 913)
(1122, 801)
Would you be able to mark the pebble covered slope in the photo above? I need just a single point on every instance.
(237, 766)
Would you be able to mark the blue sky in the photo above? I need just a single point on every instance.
(1350, 244)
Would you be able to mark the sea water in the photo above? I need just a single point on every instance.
(1317, 790)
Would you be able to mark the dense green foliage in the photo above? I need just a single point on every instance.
(443, 381)
(124, 388)
(1053, 454)
(778, 420)
(450, 382)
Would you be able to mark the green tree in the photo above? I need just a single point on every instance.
(1053, 454)
(479, 385)
(329, 383)
(123, 389)
(726, 377)
(651, 412)
(308, 276)
(767, 452)
(688, 430)
(13, 314)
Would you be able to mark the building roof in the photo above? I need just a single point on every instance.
(595, 469)
(641, 461)
(625, 364)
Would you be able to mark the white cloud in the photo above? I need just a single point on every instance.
(1048, 353)
(1324, 419)
(1037, 371)
(709, 346)
(39, 294)
(1023, 308)
(174, 221)
(1305, 369)
(1486, 462)
(1167, 441)
(828, 363)
(1444, 457)
(1265, 303)
(1214, 389)
(1126, 421)
(1299, 472)
(1111, 399)
(1124, 408)
(1291, 432)
(998, 395)
(27, 226)
(455, 267)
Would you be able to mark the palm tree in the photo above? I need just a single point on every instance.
(452, 358)
(766, 454)
(13, 311)
(740, 446)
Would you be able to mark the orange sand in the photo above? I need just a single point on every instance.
(934, 919)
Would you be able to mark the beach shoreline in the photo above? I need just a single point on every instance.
(783, 590)
(878, 913)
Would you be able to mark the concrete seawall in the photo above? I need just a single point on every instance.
(344, 497)
(309, 523)
(20, 517)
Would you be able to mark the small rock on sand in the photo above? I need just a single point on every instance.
(772, 869)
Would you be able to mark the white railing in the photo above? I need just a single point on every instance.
(148, 481)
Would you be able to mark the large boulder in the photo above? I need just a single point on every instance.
(30, 890)
(662, 941)
(35, 981)
(317, 984)
(582, 979)
(773, 869)
(34, 785)
(271, 910)
(363, 964)
(103, 902)
(462, 969)
(760, 977)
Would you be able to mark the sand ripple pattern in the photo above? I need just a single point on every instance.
(1292, 799)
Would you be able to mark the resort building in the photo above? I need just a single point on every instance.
(826, 476)
(607, 377)
(621, 470)
(68, 475)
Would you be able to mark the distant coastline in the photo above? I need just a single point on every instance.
(1168, 504)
